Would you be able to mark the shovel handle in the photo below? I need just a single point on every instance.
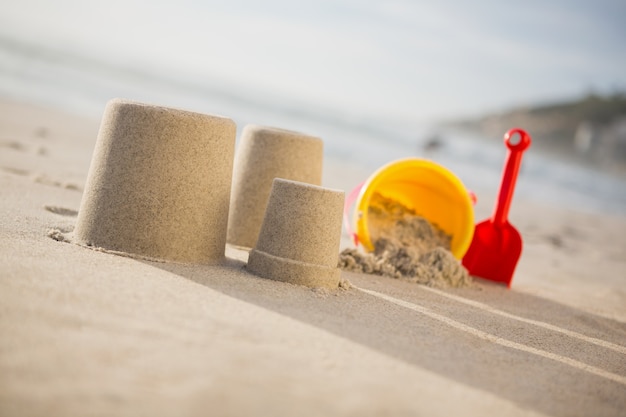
(517, 141)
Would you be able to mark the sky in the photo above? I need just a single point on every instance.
(420, 60)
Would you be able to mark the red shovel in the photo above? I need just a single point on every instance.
(497, 245)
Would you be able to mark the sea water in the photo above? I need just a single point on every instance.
(73, 82)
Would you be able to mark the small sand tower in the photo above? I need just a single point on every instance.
(300, 235)
(265, 153)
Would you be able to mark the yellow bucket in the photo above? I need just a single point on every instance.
(431, 190)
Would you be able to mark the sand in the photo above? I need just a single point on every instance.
(90, 333)
(145, 193)
(406, 246)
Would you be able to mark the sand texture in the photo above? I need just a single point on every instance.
(145, 193)
(406, 246)
(265, 153)
(84, 332)
(300, 236)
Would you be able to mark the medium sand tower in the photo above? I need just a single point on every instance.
(265, 153)
(159, 184)
(300, 235)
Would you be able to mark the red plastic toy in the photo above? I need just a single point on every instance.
(497, 245)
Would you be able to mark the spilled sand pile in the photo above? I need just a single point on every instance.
(407, 247)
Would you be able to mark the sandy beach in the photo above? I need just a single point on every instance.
(89, 333)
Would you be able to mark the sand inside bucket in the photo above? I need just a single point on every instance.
(407, 247)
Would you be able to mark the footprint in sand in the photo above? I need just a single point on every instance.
(42, 132)
(20, 147)
(43, 179)
(12, 144)
(16, 171)
(62, 211)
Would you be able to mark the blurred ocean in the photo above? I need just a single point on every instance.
(77, 83)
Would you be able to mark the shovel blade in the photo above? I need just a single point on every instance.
(494, 252)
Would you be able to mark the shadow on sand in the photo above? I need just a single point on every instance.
(532, 381)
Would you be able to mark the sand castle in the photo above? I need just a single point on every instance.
(300, 236)
(159, 184)
(265, 153)
(159, 188)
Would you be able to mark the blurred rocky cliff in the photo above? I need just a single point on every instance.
(591, 130)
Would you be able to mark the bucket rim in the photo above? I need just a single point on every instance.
(371, 184)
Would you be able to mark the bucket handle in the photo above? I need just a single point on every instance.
(350, 199)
